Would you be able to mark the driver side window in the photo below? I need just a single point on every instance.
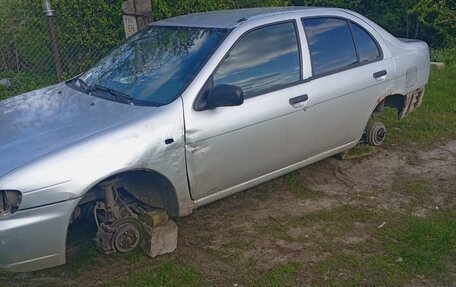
(264, 59)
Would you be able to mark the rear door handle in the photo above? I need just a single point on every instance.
(380, 74)
(299, 99)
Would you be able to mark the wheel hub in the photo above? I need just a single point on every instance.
(127, 237)
(380, 135)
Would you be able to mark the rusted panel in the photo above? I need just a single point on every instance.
(412, 101)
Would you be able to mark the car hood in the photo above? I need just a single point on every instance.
(39, 122)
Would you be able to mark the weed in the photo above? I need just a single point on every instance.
(293, 182)
(360, 150)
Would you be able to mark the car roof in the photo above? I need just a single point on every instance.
(230, 18)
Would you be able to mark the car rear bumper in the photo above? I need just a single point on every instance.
(35, 238)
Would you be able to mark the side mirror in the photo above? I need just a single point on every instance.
(225, 96)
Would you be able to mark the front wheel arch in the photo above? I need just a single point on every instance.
(147, 186)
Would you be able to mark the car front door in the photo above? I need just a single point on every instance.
(229, 148)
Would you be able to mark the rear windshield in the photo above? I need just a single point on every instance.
(155, 65)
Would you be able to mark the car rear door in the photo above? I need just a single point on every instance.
(350, 73)
(228, 147)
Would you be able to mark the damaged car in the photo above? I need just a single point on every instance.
(190, 110)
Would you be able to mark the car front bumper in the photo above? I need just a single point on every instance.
(35, 238)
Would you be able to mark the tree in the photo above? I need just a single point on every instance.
(438, 16)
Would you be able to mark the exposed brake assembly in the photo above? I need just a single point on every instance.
(124, 225)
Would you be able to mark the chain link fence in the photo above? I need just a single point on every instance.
(83, 34)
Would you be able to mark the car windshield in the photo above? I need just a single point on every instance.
(155, 65)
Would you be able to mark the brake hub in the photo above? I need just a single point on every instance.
(127, 237)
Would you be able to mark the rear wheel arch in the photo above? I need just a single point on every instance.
(396, 101)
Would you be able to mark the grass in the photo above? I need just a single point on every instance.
(330, 222)
(283, 274)
(84, 259)
(166, 274)
(418, 192)
(342, 213)
(292, 180)
(277, 229)
(427, 246)
(353, 269)
(81, 237)
(414, 187)
(360, 150)
(411, 249)
(232, 249)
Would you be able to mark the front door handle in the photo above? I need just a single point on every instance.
(380, 74)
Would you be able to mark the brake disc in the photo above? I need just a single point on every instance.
(128, 235)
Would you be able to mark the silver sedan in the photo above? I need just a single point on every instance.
(190, 110)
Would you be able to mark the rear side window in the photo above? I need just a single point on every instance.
(263, 59)
(330, 43)
(367, 47)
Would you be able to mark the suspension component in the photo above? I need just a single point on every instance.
(119, 229)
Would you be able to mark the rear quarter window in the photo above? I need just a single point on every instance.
(367, 47)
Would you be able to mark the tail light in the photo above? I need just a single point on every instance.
(9, 201)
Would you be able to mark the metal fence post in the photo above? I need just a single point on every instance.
(49, 14)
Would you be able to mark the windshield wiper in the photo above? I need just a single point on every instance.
(79, 84)
(83, 85)
(118, 95)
